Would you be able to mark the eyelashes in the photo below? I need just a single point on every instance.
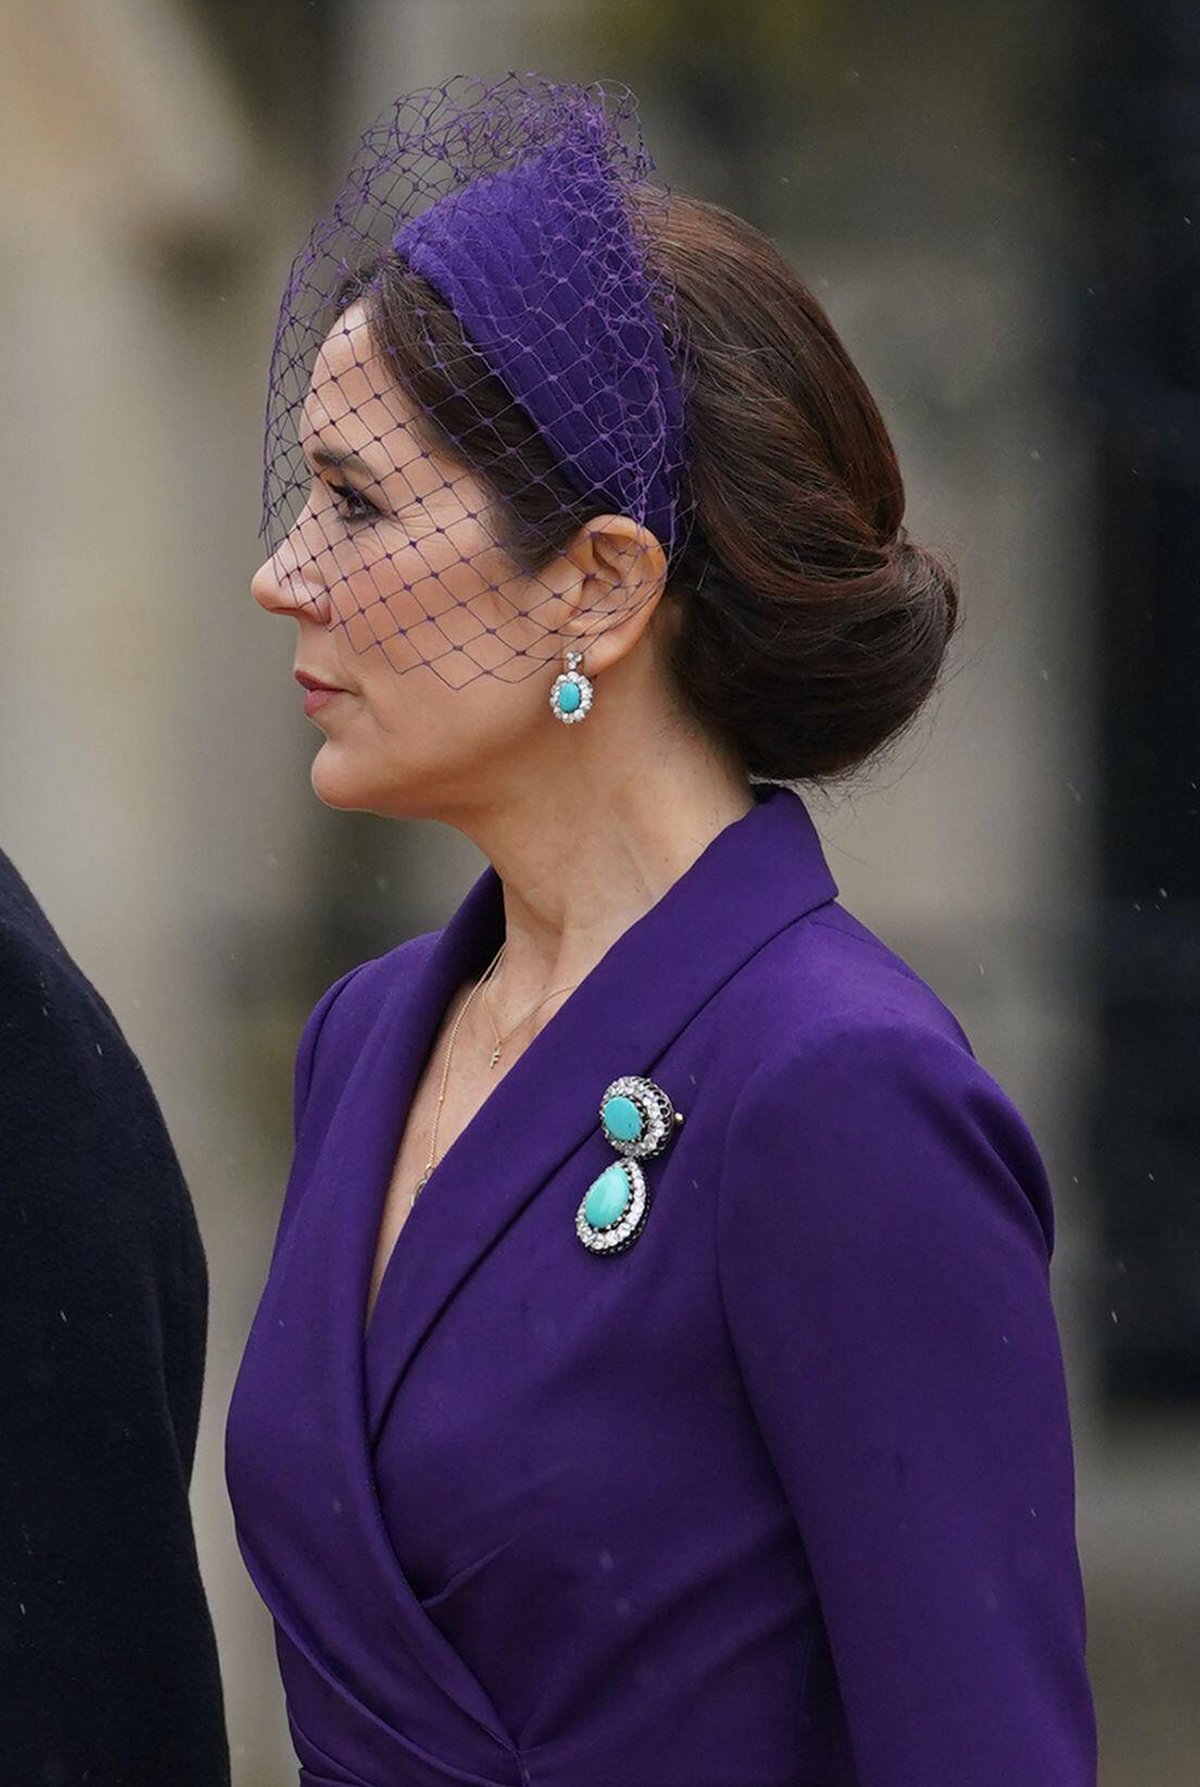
(353, 507)
(355, 510)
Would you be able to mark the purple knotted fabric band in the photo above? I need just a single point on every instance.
(541, 265)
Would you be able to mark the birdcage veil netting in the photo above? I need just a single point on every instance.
(478, 323)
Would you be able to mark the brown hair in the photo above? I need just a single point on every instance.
(811, 629)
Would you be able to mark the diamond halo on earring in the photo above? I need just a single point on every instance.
(571, 692)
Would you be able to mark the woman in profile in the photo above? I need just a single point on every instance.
(656, 1381)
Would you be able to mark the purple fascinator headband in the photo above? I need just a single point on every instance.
(527, 209)
(542, 268)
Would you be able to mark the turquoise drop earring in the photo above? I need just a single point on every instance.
(571, 692)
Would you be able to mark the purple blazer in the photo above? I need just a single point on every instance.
(779, 1496)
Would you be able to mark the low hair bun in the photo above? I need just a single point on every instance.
(809, 629)
(809, 685)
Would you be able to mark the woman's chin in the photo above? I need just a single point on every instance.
(336, 783)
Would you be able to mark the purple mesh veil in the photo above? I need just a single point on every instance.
(397, 434)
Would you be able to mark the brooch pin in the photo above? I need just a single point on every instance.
(638, 1118)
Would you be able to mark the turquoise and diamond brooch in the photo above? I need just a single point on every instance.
(638, 1118)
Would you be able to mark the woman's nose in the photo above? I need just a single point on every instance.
(279, 587)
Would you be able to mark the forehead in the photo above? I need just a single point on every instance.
(353, 393)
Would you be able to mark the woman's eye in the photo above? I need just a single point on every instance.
(353, 506)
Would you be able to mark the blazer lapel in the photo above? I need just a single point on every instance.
(756, 877)
(308, 1350)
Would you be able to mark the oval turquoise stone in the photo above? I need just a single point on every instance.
(608, 1198)
(569, 697)
(622, 1119)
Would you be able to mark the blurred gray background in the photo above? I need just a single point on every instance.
(995, 204)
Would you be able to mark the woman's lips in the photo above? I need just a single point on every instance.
(315, 699)
(316, 693)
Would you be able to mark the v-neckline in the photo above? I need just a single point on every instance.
(489, 882)
(379, 1205)
(483, 946)
(437, 1169)
(462, 949)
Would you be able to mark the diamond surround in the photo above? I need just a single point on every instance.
(583, 684)
(616, 1236)
(657, 1113)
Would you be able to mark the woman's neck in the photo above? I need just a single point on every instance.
(584, 854)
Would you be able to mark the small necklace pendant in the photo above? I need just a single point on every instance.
(495, 1056)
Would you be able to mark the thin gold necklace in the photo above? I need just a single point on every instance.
(441, 1097)
(501, 1040)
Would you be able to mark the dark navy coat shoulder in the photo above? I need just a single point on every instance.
(779, 1495)
(108, 1665)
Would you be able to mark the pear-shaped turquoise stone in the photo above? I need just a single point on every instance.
(608, 1197)
(622, 1119)
(569, 697)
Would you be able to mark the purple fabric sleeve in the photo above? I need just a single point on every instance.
(884, 1235)
(302, 1081)
(307, 1047)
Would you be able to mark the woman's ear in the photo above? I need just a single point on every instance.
(620, 572)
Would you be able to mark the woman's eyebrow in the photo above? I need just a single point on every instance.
(329, 460)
